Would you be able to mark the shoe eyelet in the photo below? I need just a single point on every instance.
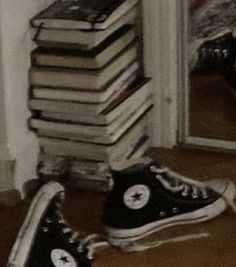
(194, 196)
(162, 214)
(152, 168)
(205, 196)
(80, 250)
(71, 241)
(184, 194)
(175, 210)
(45, 229)
(48, 220)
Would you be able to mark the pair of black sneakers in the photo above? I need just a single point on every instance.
(143, 198)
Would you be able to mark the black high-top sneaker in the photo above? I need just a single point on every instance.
(146, 198)
(45, 240)
(216, 53)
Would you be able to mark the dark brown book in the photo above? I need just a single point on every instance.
(80, 78)
(91, 59)
(82, 14)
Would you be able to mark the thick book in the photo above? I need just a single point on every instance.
(100, 152)
(91, 133)
(125, 104)
(80, 108)
(82, 14)
(93, 108)
(122, 80)
(85, 174)
(80, 78)
(86, 40)
(74, 58)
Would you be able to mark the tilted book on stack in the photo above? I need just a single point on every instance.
(95, 58)
(82, 14)
(89, 99)
(95, 133)
(46, 33)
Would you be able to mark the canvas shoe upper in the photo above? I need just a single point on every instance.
(146, 198)
(45, 238)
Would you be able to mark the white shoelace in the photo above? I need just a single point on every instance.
(175, 182)
(141, 246)
(90, 243)
(185, 184)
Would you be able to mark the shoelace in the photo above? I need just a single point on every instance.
(175, 182)
(89, 243)
(185, 185)
(141, 246)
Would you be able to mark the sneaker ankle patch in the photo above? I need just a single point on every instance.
(136, 196)
(62, 258)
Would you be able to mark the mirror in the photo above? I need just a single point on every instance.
(211, 96)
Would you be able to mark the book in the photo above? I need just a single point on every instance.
(82, 108)
(85, 174)
(122, 80)
(91, 133)
(94, 108)
(74, 38)
(83, 79)
(75, 58)
(82, 14)
(51, 165)
(125, 104)
(100, 152)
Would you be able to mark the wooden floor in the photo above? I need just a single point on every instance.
(84, 210)
(212, 107)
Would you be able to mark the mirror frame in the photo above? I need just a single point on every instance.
(183, 111)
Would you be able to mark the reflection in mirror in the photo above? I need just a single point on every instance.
(212, 69)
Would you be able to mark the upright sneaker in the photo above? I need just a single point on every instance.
(146, 198)
(45, 240)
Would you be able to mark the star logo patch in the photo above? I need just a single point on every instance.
(137, 196)
(61, 258)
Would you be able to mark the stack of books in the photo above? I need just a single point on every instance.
(89, 99)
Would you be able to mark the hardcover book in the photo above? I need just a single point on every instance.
(93, 59)
(92, 108)
(79, 108)
(100, 152)
(122, 80)
(85, 174)
(82, 14)
(90, 133)
(83, 79)
(85, 40)
(125, 104)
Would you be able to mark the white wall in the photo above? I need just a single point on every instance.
(20, 144)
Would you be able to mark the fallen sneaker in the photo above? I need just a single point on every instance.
(45, 238)
(146, 198)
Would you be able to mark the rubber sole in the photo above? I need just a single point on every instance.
(119, 236)
(25, 237)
